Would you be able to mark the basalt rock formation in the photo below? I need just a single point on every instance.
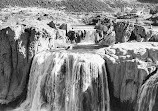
(114, 78)
(18, 45)
(121, 77)
(129, 66)
(126, 32)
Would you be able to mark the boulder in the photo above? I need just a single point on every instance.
(147, 98)
(52, 24)
(123, 31)
(79, 36)
(126, 32)
(63, 26)
(71, 36)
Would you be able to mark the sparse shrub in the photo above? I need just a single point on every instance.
(153, 11)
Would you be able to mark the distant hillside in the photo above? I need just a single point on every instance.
(86, 5)
(72, 5)
(149, 1)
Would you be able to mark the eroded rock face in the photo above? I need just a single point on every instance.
(147, 99)
(122, 76)
(126, 32)
(123, 31)
(129, 65)
(18, 45)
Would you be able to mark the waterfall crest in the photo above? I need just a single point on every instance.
(67, 81)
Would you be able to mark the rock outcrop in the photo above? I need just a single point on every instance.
(18, 45)
(147, 99)
(129, 65)
(126, 32)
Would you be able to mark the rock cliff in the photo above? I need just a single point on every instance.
(126, 32)
(129, 66)
(121, 77)
(18, 45)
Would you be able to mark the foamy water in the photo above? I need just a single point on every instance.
(67, 81)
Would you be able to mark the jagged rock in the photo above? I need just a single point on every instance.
(71, 36)
(81, 36)
(147, 99)
(142, 34)
(123, 31)
(126, 32)
(52, 24)
(18, 45)
(61, 39)
(153, 37)
(105, 35)
(128, 65)
(107, 40)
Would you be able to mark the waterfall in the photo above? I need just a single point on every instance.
(67, 81)
(148, 97)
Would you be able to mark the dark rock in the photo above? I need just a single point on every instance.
(52, 25)
(17, 49)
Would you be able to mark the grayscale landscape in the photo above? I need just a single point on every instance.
(78, 55)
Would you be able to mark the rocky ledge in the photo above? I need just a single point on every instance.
(122, 77)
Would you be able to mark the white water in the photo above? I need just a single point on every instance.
(67, 81)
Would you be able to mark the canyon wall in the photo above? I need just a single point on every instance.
(18, 45)
(129, 66)
(121, 77)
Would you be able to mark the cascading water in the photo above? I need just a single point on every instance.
(67, 81)
(148, 98)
